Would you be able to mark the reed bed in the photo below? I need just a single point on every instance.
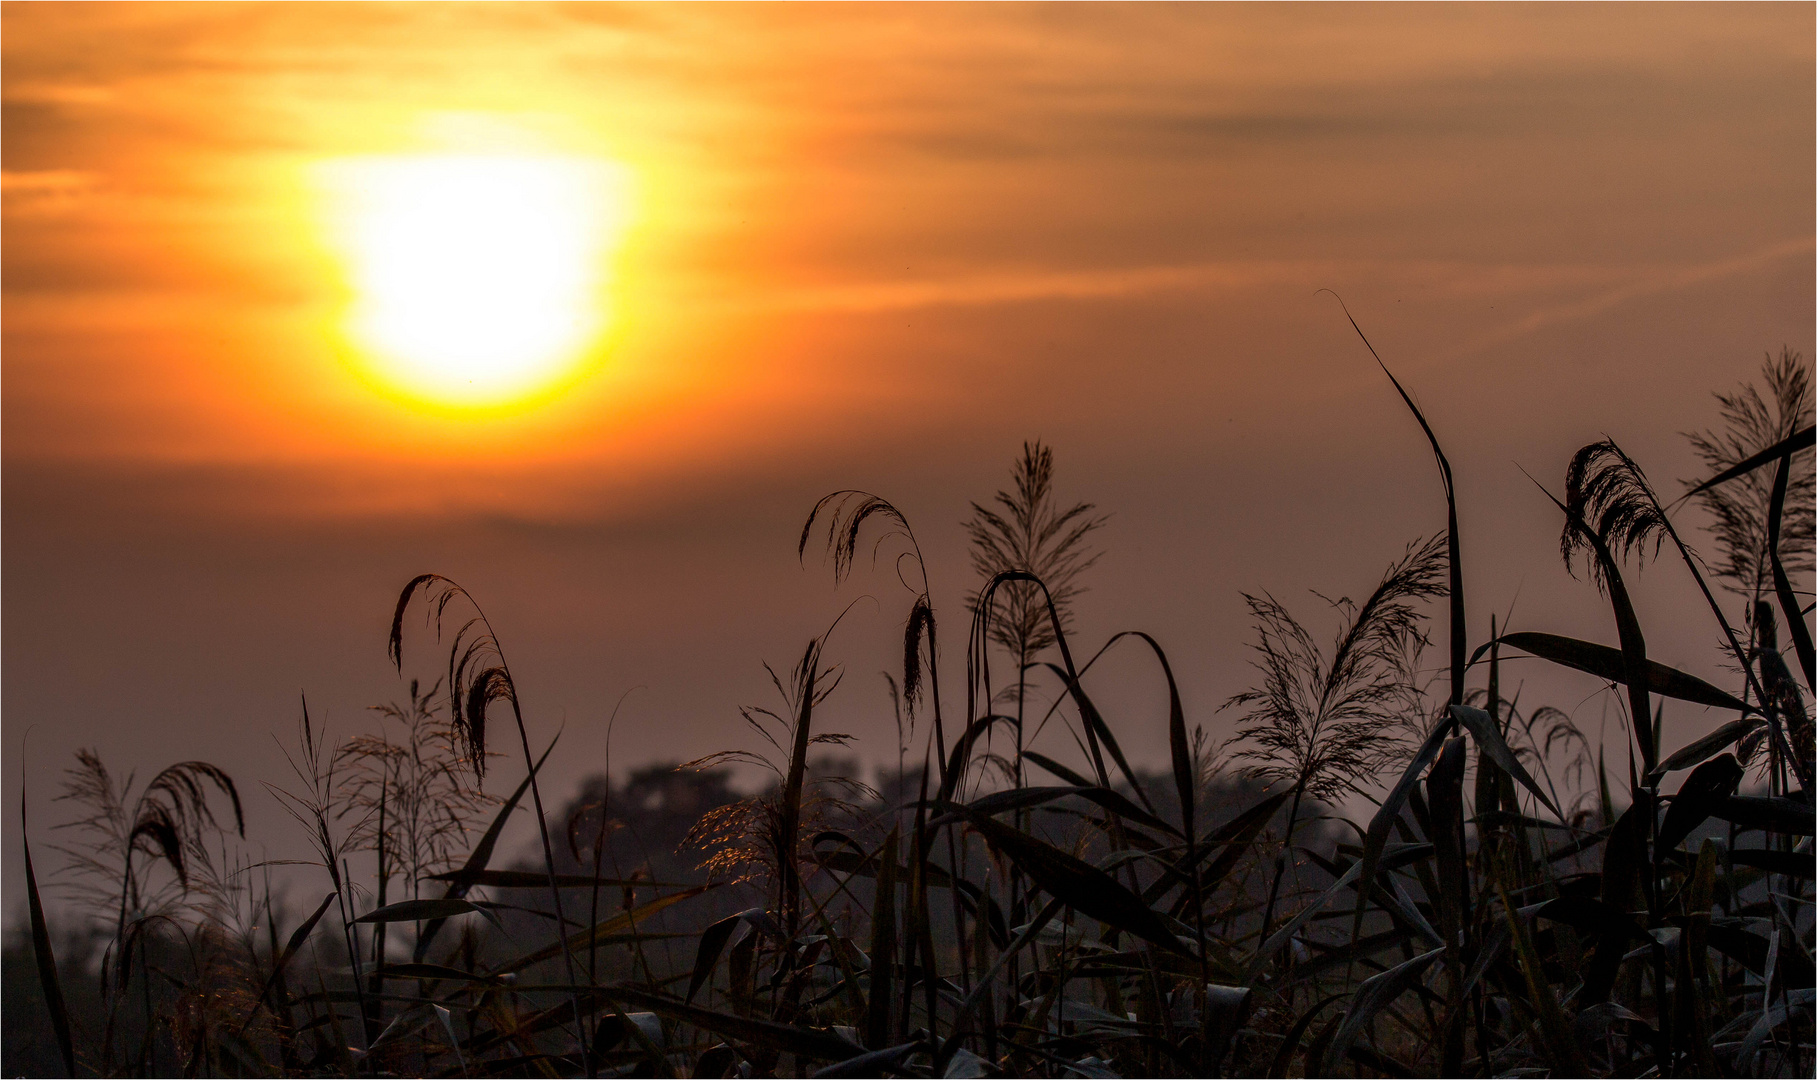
(1521, 902)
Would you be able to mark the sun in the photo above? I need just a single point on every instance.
(477, 280)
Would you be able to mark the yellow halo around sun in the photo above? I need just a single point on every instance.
(478, 280)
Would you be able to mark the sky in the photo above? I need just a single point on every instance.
(868, 247)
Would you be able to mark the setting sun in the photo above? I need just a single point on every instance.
(478, 280)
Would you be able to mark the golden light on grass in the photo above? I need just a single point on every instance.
(478, 280)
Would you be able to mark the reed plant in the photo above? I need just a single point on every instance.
(1522, 900)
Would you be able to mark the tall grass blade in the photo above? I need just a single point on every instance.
(880, 1004)
(1782, 585)
(1283, 1056)
(1489, 737)
(1375, 994)
(1701, 750)
(482, 851)
(1094, 722)
(1280, 937)
(951, 1044)
(1636, 674)
(1375, 838)
(1234, 836)
(1606, 663)
(712, 942)
(531, 879)
(807, 679)
(1445, 796)
(1459, 640)
(1556, 1035)
(1077, 883)
(1701, 794)
(420, 910)
(1185, 782)
(1785, 448)
(1768, 814)
(607, 928)
(780, 1038)
(291, 947)
(1012, 799)
(1057, 769)
(47, 959)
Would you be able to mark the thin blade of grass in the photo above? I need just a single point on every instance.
(1459, 640)
(1786, 447)
(1560, 1042)
(603, 930)
(1701, 750)
(1057, 769)
(1782, 585)
(1234, 836)
(1077, 883)
(1768, 814)
(1375, 994)
(1023, 798)
(532, 879)
(1283, 1057)
(41, 950)
(1445, 796)
(1606, 663)
(1698, 797)
(282, 960)
(1280, 937)
(1376, 837)
(419, 911)
(712, 942)
(1094, 720)
(782, 1038)
(1489, 737)
(482, 851)
(880, 1002)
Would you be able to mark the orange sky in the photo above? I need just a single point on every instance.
(873, 246)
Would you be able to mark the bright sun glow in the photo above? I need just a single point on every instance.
(478, 279)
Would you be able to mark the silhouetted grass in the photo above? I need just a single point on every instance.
(1567, 910)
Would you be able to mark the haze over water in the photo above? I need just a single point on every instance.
(870, 247)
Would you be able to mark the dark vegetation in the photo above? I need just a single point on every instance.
(1523, 901)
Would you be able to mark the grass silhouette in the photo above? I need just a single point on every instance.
(1512, 920)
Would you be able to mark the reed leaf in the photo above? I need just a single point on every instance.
(1375, 838)
(1375, 994)
(48, 979)
(482, 851)
(603, 930)
(531, 879)
(1785, 863)
(1698, 797)
(1453, 557)
(1782, 584)
(420, 911)
(1489, 737)
(1013, 799)
(1283, 1055)
(1784, 448)
(1556, 1034)
(1077, 883)
(1767, 813)
(291, 948)
(881, 998)
(1606, 663)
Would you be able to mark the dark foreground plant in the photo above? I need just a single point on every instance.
(1609, 908)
